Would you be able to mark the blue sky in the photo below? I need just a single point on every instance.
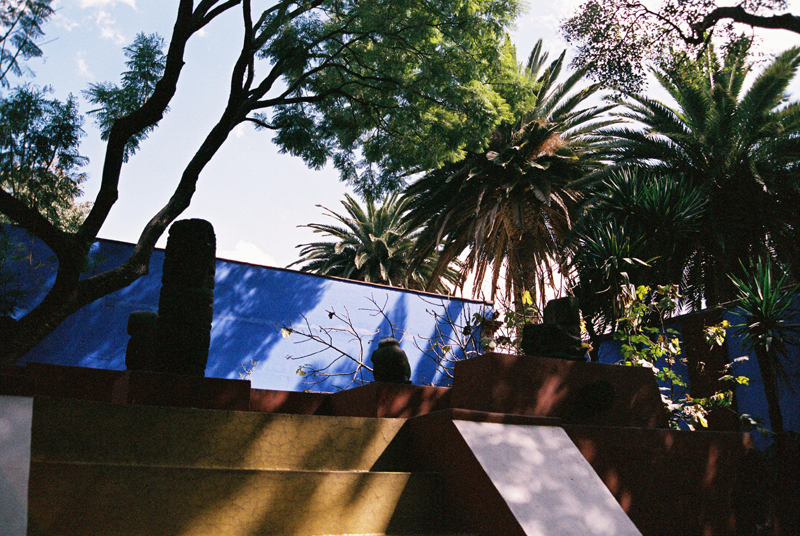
(254, 197)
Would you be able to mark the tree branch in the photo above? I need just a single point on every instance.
(738, 14)
(149, 114)
(39, 226)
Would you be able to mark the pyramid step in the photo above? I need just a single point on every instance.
(85, 431)
(86, 499)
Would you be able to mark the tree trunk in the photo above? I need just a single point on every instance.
(770, 380)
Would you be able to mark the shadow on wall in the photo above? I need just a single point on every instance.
(374, 313)
(449, 329)
(250, 303)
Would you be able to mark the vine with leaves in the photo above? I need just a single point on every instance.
(646, 341)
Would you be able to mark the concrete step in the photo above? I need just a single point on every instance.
(96, 432)
(86, 499)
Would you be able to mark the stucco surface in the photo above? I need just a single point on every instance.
(547, 483)
(73, 499)
(142, 435)
(15, 451)
(121, 470)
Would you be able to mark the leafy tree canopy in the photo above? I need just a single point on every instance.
(382, 88)
(146, 62)
(617, 38)
(698, 186)
(39, 159)
(511, 205)
(20, 27)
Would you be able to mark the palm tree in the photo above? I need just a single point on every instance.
(372, 245)
(740, 150)
(512, 205)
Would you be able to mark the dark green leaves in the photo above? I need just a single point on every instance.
(385, 88)
(511, 204)
(767, 305)
(737, 147)
(20, 27)
(145, 64)
(372, 243)
(39, 158)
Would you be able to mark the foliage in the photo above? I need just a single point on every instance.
(508, 320)
(636, 226)
(511, 205)
(21, 27)
(146, 63)
(247, 369)
(616, 39)
(385, 88)
(770, 313)
(739, 149)
(381, 88)
(372, 245)
(11, 290)
(647, 342)
(39, 158)
(767, 306)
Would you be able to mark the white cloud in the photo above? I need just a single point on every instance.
(247, 252)
(113, 34)
(83, 67)
(64, 22)
(99, 3)
(238, 131)
(108, 28)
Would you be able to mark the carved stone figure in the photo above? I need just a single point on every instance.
(141, 352)
(390, 363)
(559, 335)
(176, 340)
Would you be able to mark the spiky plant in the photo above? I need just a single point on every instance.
(636, 228)
(372, 244)
(769, 309)
(740, 148)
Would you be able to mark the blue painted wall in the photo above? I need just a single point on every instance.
(249, 303)
(750, 399)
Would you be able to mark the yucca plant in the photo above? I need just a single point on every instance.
(636, 228)
(769, 310)
(372, 243)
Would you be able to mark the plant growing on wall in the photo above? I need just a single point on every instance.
(647, 342)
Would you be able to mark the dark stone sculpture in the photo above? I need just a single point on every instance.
(176, 340)
(559, 335)
(141, 352)
(390, 363)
